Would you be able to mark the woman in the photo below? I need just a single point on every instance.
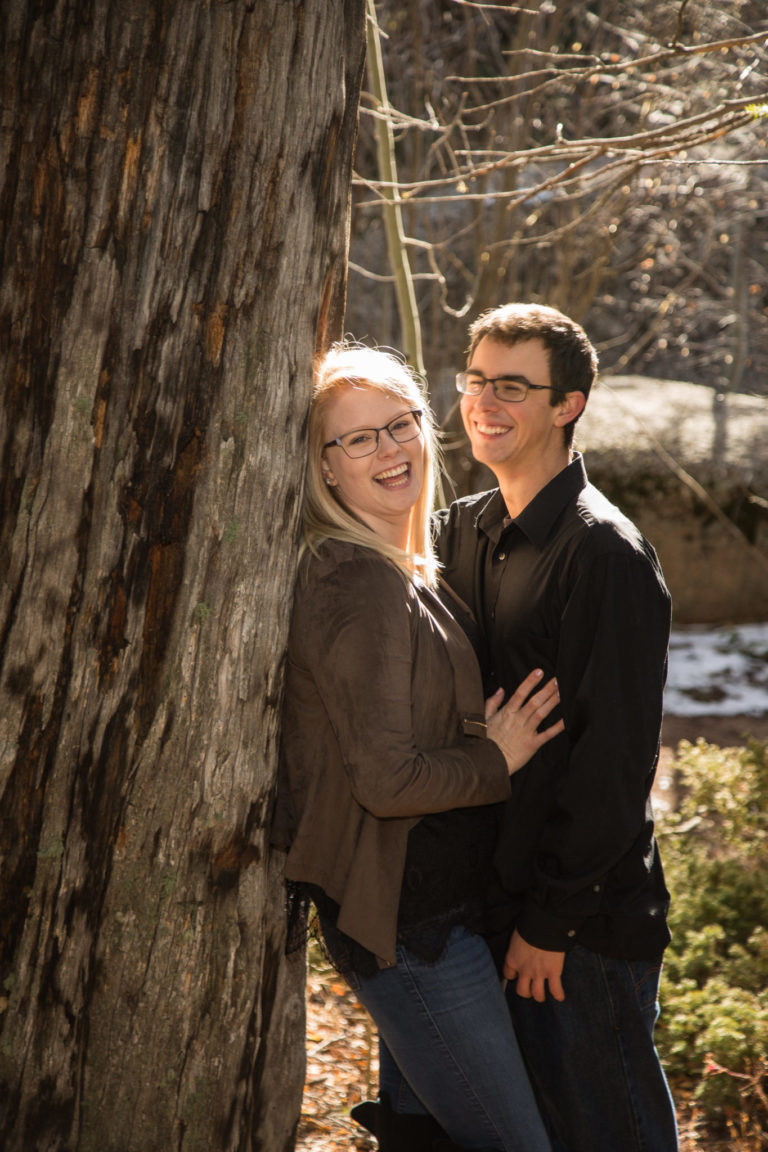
(389, 785)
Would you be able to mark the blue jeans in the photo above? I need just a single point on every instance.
(592, 1059)
(445, 1031)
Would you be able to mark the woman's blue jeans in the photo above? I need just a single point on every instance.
(445, 1031)
(592, 1059)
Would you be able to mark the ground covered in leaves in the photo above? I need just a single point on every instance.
(342, 1064)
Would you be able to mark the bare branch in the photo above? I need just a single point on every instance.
(727, 116)
(680, 14)
(497, 7)
(614, 68)
(386, 279)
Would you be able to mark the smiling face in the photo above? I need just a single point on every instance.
(521, 443)
(380, 489)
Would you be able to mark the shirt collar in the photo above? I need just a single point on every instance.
(537, 518)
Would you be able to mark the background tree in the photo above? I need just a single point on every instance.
(173, 219)
(605, 158)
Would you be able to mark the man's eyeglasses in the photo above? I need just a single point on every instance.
(365, 441)
(510, 389)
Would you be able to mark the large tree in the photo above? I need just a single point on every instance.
(173, 219)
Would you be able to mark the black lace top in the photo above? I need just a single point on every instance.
(447, 870)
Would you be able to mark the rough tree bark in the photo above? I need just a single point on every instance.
(173, 220)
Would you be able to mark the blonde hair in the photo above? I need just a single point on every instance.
(324, 516)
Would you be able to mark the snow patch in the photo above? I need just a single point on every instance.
(718, 671)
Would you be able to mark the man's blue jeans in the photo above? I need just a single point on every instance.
(446, 1028)
(592, 1059)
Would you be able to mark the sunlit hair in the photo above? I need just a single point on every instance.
(572, 358)
(349, 365)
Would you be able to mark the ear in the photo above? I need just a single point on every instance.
(328, 476)
(571, 406)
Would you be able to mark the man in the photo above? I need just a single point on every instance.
(560, 580)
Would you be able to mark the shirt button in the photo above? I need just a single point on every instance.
(502, 555)
(571, 932)
(596, 888)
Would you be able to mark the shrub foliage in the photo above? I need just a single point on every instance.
(714, 1027)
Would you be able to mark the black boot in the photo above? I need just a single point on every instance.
(397, 1131)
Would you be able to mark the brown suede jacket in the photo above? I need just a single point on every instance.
(382, 723)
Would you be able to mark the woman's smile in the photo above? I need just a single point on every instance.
(397, 477)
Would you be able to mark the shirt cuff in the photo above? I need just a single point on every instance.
(552, 933)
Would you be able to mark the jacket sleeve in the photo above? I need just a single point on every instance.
(356, 631)
(615, 632)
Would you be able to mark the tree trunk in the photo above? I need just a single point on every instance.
(173, 230)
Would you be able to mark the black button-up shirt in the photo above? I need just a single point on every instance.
(571, 586)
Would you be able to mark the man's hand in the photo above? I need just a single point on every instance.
(534, 968)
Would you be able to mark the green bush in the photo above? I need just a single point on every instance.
(714, 1025)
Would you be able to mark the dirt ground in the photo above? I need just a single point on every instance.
(727, 731)
(342, 1060)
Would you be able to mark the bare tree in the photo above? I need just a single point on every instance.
(559, 152)
(173, 230)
